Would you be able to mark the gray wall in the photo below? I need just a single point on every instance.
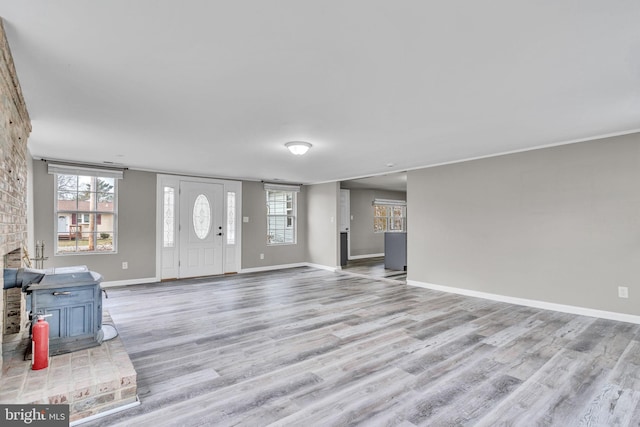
(254, 232)
(137, 232)
(136, 226)
(363, 240)
(560, 225)
(322, 221)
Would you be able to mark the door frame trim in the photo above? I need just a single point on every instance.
(232, 254)
(348, 206)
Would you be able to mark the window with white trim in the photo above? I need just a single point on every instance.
(231, 217)
(169, 217)
(389, 216)
(86, 209)
(281, 214)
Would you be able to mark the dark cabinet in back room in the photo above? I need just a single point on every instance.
(395, 251)
(344, 248)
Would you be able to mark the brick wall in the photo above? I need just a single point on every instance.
(14, 303)
(15, 128)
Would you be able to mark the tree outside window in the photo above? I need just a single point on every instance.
(86, 213)
(388, 217)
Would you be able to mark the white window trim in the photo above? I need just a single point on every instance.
(389, 219)
(63, 169)
(293, 189)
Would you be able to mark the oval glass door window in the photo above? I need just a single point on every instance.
(201, 216)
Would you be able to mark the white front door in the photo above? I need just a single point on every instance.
(201, 229)
(63, 224)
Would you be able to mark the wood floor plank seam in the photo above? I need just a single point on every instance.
(308, 347)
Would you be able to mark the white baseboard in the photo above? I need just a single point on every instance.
(272, 267)
(129, 282)
(583, 311)
(283, 266)
(365, 256)
(324, 267)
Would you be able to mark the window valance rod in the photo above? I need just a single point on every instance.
(282, 187)
(389, 202)
(109, 166)
(85, 169)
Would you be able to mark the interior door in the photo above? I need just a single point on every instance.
(201, 229)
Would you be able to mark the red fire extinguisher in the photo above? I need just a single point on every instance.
(40, 343)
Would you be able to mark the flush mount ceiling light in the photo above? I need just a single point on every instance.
(298, 147)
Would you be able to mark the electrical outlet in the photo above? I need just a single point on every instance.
(623, 292)
(125, 265)
(261, 256)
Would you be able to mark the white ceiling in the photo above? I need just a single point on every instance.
(216, 88)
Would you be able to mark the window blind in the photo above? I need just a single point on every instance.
(55, 168)
(282, 187)
(389, 202)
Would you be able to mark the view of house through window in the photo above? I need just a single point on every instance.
(86, 212)
(281, 217)
(389, 216)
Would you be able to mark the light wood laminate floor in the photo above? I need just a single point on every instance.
(307, 347)
(373, 267)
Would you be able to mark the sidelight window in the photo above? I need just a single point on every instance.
(231, 218)
(168, 217)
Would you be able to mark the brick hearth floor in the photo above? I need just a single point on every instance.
(90, 381)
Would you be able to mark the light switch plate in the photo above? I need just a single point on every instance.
(623, 292)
